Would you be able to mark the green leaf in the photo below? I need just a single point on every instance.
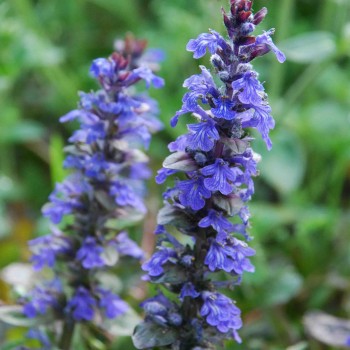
(237, 146)
(110, 281)
(19, 274)
(149, 335)
(5, 223)
(13, 315)
(105, 200)
(283, 285)
(169, 215)
(123, 325)
(180, 161)
(328, 118)
(11, 345)
(172, 274)
(122, 223)
(284, 166)
(8, 188)
(23, 131)
(231, 204)
(110, 255)
(309, 47)
(58, 173)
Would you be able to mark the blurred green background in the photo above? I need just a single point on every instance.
(301, 209)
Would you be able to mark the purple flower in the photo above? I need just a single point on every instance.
(250, 87)
(82, 305)
(126, 246)
(42, 298)
(219, 257)
(45, 257)
(40, 302)
(154, 266)
(96, 166)
(188, 290)
(202, 135)
(265, 40)
(223, 108)
(219, 223)
(90, 254)
(140, 171)
(158, 309)
(66, 198)
(45, 249)
(137, 135)
(102, 67)
(162, 175)
(193, 192)
(263, 121)
(211, 41)
(200, 86)
(204, 80)
(148, 76)
(262, 45)
(220, 177)
(152, 56)
(126, 196)
(112, 304)
(41, 337)
(347, 343)
(220, 312)
(230, 256)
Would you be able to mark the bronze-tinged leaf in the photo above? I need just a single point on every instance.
(150, 335)
(237, 146)
(180, 161)
(231, 204)
(327, 329)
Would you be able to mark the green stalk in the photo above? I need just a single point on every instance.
(326, 15)
(67, 335)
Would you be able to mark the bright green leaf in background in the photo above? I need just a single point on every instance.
(284, 167)
(309, 47)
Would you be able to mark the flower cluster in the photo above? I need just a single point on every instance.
(104, 190)
(215, 164)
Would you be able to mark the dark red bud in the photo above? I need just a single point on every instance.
(248, 5)
(260, 15)
(133, 46)
(120, 61)
(227, 21)
(241, 5)
(123, 76)
(247, 40)
(233, 8)
(243, 16)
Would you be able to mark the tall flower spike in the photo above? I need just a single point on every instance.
(217, 165)
(106, 185)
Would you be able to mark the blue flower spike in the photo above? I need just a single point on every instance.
(214, 165)
(106, 184)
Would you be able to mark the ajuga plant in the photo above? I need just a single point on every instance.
(214, 163)
(103, 192)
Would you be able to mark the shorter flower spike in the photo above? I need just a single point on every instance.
(105, 190)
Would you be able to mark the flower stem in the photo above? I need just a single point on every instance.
(67, 335)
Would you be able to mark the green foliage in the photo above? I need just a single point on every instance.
(301, 207)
